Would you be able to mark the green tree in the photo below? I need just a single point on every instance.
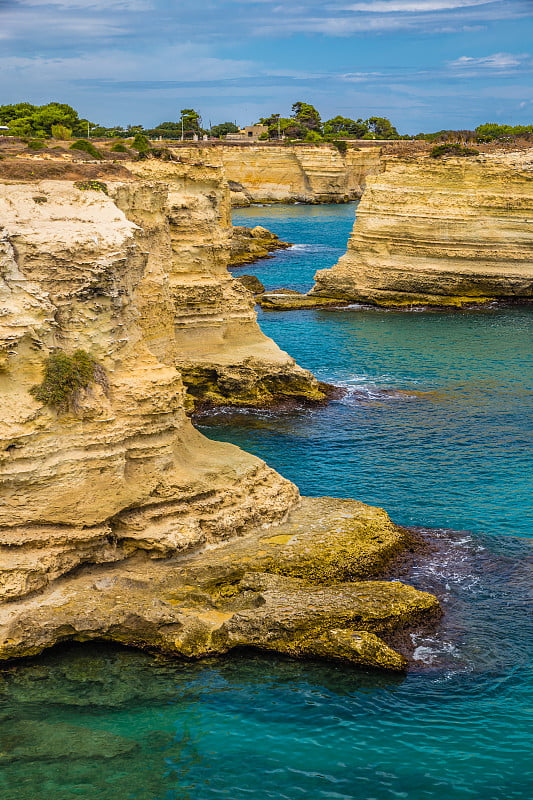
(344, 126)
(225, 127)
(382, 128)
(61, 132)
(306, 116)
(190, 120)
(25, 119)
(492, 130)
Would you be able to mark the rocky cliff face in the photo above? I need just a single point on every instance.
(118, 520)
(121, 468)
(222, 355)
(285, 174)
(440, 232)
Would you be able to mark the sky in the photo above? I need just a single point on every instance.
(424, 64)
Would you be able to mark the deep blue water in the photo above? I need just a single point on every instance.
(436, 428)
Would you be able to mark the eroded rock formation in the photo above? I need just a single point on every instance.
(118, 520)
(440, 232)
(251, 244)
(298, 173)
(124, 469)
(222, 355)
(299, 590)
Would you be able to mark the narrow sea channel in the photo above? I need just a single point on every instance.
(437, 428)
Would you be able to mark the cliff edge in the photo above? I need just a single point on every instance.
(445, 232)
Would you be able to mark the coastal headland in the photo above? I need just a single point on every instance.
(118, 519)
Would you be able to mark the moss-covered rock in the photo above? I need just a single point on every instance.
(252, 385)
(299, 589)
(251, 244)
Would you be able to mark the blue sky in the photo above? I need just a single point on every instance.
(425, 64)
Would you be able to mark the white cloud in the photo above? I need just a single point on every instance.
(182, 62)
(395, 6)
(496, 62)
(91, 5)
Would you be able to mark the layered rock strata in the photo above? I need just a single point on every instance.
(251, 244)
(121, 469)
(118, 520)
(295, 173)
(222, 355)
(448, 232)
(300, 590)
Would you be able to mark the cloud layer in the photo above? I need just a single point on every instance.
(238, 59)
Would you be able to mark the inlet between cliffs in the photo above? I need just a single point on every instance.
(435, 428)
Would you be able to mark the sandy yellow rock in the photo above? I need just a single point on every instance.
(124, 470)
(439, 232)
(301, 592)
(294, 173)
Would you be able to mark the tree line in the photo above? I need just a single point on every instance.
(61, 121)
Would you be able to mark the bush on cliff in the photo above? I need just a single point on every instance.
(453, 149)
(341, 146)
(86, 147)
(140, 143)
(65, 376)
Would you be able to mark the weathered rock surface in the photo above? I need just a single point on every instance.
(251, 244)
(113, 508)
(280, 300)
(439, 232)
(222, 354)
(252, 283)
(299, 590)
(301, 173)
(122, 469)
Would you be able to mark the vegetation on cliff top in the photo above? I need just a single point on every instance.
(86, 147)
(61, 121)
(453, 149)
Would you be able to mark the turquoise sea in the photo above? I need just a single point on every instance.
(437, 428)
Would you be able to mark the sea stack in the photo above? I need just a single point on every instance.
(441, 232)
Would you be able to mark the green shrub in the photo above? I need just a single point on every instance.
(64, 376)
(313, 136)
(86, 147)
(61, 132)
(119, 147)
(39, 199)
(140, 143)
(95, 186)
(35, 144)
(341, 146)
(453, 149)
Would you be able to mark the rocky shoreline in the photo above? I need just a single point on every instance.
(302, 589)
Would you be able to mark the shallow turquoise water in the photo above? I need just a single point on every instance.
(437, 428)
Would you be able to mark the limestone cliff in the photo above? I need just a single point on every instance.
(118, 519)
(289, 173)
(124, 469)
(222, 355)
(439, 232)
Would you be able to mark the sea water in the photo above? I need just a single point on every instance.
(436, 427)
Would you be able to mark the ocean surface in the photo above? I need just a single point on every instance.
(437, 428)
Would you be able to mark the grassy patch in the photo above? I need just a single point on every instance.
(453, 150)
(95, 186)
